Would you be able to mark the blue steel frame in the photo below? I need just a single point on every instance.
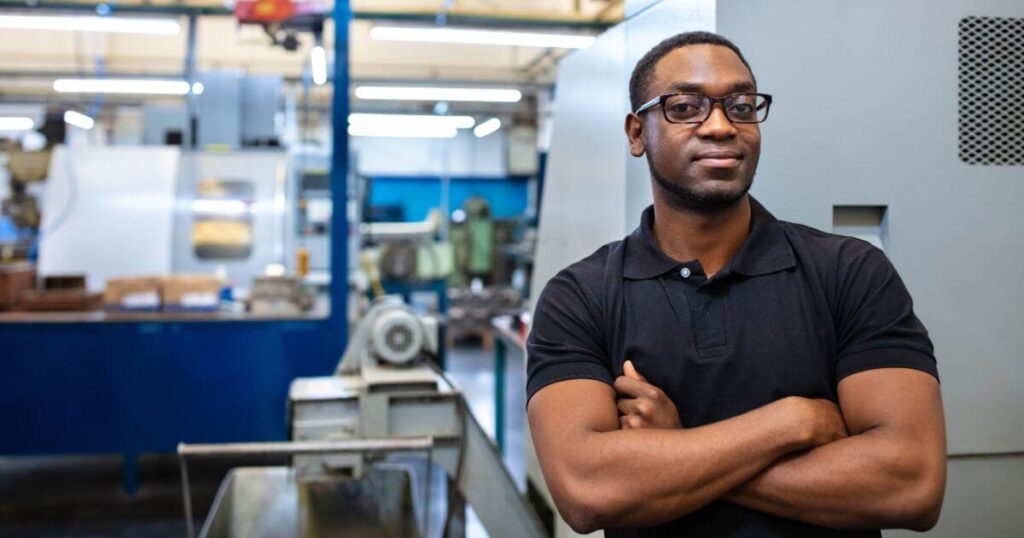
(133, 388)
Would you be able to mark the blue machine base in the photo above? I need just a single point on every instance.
(135, 388)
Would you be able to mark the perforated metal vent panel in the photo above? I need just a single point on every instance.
(992, 90)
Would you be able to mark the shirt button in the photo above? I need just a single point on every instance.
(684, 272)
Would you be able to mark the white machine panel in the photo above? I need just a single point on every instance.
(108, 211)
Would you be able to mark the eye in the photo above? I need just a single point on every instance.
(680, 107)
(742, 108)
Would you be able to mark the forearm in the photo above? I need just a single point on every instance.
(877, 479)
(639, 478)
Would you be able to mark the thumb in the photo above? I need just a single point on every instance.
(630, 371)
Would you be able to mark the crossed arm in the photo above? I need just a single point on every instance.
(609, 461)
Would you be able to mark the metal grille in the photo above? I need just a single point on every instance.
(991, 78)
(399, 338)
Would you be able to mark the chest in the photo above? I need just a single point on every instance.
(723, 349)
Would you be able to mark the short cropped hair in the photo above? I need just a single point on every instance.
(643, 73)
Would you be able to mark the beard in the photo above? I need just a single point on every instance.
(683, 196)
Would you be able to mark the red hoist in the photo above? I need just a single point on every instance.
(283, 20)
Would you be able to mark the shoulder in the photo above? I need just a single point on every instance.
(592, 272)
(831, 254)
(584, 284)
(851, 272)
(595, 267)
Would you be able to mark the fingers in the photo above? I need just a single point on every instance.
(634, 406)
(630, 371)
(631, 422)
(632, 388)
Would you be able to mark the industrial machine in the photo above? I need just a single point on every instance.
(230, 213)
(205, 213)
(385, 397)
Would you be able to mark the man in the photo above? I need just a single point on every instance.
(722, 373)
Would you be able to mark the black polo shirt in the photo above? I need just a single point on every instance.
(795, 311)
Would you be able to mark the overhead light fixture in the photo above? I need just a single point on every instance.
(126, 25)
(226, 208)
(318, 61)
(480, 37)
(121, 85)
(487, 127)
(411, 120)
(435, 93)
(16, 124)
(79, 120)
(402, 131)
(198, 88)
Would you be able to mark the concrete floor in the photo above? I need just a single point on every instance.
(78, 497)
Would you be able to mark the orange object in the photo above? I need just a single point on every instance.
(302, 261)
(264, 11)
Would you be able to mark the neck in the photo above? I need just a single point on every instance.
(711, 237)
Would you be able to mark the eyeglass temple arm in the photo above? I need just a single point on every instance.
(648, 105)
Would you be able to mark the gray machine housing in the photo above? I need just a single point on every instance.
(864, 139)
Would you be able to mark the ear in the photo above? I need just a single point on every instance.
(635, 134)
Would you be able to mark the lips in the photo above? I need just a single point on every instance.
(719, 158)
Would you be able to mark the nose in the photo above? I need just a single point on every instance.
(717, 126)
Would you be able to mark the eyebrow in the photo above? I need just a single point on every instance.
(689, 87)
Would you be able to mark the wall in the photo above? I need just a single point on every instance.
(418, 195)
(407, 172)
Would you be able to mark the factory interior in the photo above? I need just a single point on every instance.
(268, 267)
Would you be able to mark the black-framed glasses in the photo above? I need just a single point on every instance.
(696, 108)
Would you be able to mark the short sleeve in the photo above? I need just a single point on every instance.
(876, 325)
(566, 340)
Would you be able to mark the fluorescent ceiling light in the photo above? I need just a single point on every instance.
(480, 37)
(487, 127)
(78, 120)
(402, 131)
(115, 85)
(127, 25)
(16, 124)
(427, 93)
(318, 59)
(227, 208)
(411, 120)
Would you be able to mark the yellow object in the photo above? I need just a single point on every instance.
(221, 232)
(372, 274)
(302, 261)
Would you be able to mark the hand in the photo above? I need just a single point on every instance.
(641, 404)
(821, 421)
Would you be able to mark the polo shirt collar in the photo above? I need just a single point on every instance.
(766, 249)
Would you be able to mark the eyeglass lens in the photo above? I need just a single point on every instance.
(692, 108)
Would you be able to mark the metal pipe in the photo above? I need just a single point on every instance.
(186, 494)
(460, 17)
(305, 447)
(190, 76)
(341, 168)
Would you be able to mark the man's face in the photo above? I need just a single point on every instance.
(698, 166)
